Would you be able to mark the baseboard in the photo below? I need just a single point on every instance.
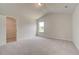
(55, 38)
(76, 45)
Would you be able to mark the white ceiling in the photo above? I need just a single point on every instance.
(60, 8)
(29, 11)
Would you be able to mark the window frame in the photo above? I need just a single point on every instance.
(41, 30)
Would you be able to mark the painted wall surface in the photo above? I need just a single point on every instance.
(26, 28)
(75, 27)
(57, 26)
(2, 30)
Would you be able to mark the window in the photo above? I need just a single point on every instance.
(41, 26)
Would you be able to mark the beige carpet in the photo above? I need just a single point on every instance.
(39, 46)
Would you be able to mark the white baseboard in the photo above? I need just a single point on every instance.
(76, 45)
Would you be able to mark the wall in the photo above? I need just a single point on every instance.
(75, 27)
(26, 28)
(2, 30)
(57, 26)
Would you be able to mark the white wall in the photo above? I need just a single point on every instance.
(2, 30)
(57, 26)
(26, 28)
(75, 27)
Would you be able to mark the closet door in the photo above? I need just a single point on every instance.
(10, 29)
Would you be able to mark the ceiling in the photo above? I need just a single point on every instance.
(61, 8)
(29, 11)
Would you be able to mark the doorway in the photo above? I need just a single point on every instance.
(10, 29)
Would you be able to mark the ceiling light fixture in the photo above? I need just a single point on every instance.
(39, 4)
